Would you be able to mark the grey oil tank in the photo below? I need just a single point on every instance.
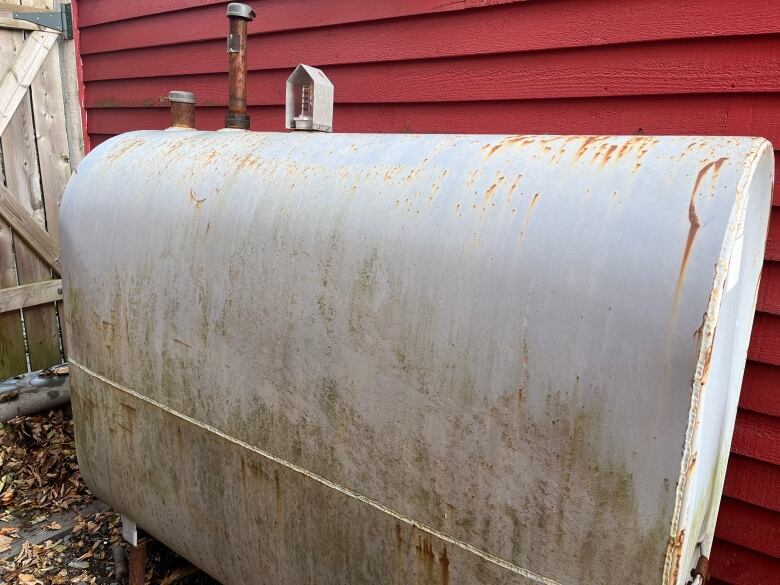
(337, 358)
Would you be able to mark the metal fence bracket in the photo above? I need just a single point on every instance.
(60, 20)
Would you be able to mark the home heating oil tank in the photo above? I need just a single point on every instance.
(307, 358)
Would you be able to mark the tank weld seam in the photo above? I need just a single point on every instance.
(504, 564)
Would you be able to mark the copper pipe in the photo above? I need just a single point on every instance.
(182, 109)
(701, 573)
(239, 15)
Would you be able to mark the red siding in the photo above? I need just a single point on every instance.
(536, 66)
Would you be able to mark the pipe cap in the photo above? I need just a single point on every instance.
(238, 10)
(182, 97)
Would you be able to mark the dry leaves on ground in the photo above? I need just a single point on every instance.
(85, 555)
(38, 469)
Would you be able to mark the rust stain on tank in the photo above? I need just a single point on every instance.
(413, 174)
(444, 561)
(583, 148)
(251, 160)
(520, 140)
(425, 560)
(513, 186)
(533, 202)
(527, 218)
(693, 217)
(278, 495)
(209, 158)
(491, 149)
(674, 551)
(198, 202)
(627, 146)
(691, 465)
(391, 172)
(698, 334)
(492, 189)
(707, 360)
(695, 224)
(123, 149)
(608, 154)
(173, 147)
(637, 147)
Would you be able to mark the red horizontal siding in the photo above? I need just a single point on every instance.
(769, 290)
(702, 115)
(758, 436)
(761, 389)
(706, 67)
(754, 482)
(765, 339)
(749, 526)
(741, 566)
(719, 64)
(305, 13)
(92, 12)
(773, 239)
(578, 23)
(716, 66)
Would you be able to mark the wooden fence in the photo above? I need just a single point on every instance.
(40, 145)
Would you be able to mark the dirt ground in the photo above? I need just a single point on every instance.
(52, 530)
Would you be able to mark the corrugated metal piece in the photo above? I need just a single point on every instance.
(387, 358)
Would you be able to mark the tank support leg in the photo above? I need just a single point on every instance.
(137, 564)
(129, 531)
(137, 553)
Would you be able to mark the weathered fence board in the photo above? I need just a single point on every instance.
(12, 347)
(38, 138)
(30, 295)
(26, 228)
(52, 137)
(23, 178)
(13, 87)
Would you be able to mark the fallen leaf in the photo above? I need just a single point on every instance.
(5, 543)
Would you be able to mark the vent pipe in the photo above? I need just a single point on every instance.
(239, 15)
(182, 109)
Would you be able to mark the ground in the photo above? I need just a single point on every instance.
(52, 530)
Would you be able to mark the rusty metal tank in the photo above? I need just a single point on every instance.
(343, 358)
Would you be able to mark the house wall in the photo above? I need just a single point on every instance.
(538, 66)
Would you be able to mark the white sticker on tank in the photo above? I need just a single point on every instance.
(734, 263)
